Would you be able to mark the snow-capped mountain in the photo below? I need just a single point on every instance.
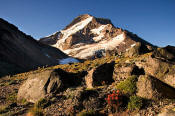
(87, 37)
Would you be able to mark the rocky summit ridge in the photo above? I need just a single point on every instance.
(87, 37)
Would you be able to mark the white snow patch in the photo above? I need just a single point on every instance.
(68, 60)
(89, 50)
(98, 38)
(98, 30)
(73, 29)
(111, 44)
(133, 45)
(52, 34)
(127, 50)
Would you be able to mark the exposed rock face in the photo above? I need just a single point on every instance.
(125, 70)
(38, 85)
(100, 75)
(167, 113)
(86, 36)
(167, 53)
(137, 49)
(162, 70)
(52, 39)
(151, 88)
(20, 52)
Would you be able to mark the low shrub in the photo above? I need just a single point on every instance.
(12, 98)
(128, 86)
(4, 109)
(135, 103)
(42, 103)
(35, 111)
(87, 113)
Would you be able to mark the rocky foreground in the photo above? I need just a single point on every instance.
(133, 83)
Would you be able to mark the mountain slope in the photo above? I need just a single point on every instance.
(87, 37)
(20, 52)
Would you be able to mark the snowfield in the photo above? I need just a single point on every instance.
(99, 33)
(73, 29)
(68, 60)
(89, 50)
(98, 30)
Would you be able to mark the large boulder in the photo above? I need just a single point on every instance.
(167, 113)
(161, 69)
(100, 75)
(41, 84)
(38, 85)
(125, 70)
(151, 88)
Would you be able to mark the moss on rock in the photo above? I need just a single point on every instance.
(128, 86)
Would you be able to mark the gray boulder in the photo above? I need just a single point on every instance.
(149, 87)
(162, 70)
(167, 113)
(38, 85)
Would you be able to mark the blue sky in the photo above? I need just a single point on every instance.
(152, 20)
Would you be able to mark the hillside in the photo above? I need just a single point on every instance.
(140, 84)
(20, 52)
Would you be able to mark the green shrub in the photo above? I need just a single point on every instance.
(12, 97)
(42, 103)
(128, 86)
(87, 113)
(35, 111)
(4, 109)
(135, 102)
(23, 102)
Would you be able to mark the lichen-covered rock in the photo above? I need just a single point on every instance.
(145, 88)
(137, 49)
(166, 53)
(134, 50)
(167, 113)
(38, 85)
(151, 88)
(162, 70)
(100, 75)
(123, 71)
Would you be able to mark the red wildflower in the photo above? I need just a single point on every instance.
(116, 98)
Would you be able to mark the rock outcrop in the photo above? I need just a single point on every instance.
(100, 76)
(39, 85)
(151, 88)
(125, 70)
(137, 49)
(160, 69)
(167, 113)
(166, 53)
